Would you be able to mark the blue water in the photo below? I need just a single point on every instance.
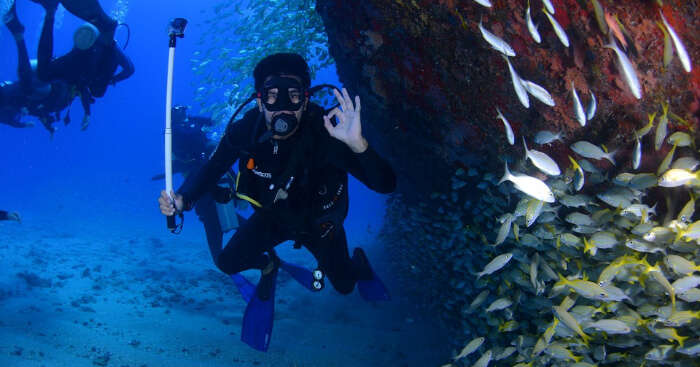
(92, 190)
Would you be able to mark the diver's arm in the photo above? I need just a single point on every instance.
(125, 63)
(368, 166)
(226, 153)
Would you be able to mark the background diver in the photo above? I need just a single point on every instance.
(92, 63)
(29, 95)
(293, 165)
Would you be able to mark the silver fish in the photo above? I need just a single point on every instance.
(496, 42)
(499, 304)
(578, 108)
(531, 26)
(529, 185)
(589, 150)
(609, 326)
(546, 137)
(682, 53)
(518, 85)
(509, 130)
(637, 157)
(496, 264)
(627, 69)
(471, 347)
(590, 111)
(542, 161)
(539, 92)
(558, 30)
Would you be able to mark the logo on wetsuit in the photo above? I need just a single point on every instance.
(335, 197)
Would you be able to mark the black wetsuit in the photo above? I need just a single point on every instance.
(317, 202)
(91, 70)
(29, 95)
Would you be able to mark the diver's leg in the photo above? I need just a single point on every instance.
(206, 211)
(245, 250)
(24, 70)
(4, 215)
(45, 52)
(330, 248)
(91, 11)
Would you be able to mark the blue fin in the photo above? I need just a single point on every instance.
(302, 275)
(372, 289)
(258, 318)
(244, 286)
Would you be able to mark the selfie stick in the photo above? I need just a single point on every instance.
(177, 29)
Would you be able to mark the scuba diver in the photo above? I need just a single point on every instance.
(29, 95)
(4, 215)
(217, 209)
(95, 57)
(293, 166)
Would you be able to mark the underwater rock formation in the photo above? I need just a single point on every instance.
(431, 84)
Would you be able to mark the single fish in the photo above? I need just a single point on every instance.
(692, 295)
(534, 209)
(547, 137)
(645, 130)
(549, 332)
(666, 163)
(579, 219)
(678, 177)
(564, 316)
(686, 163)
(600, 16)
(682, 139)
(615, 29)
(548, 5)
(588, 150)
(534, 264)
(509, 130)
(686, 214)
(659, 276)
(685, 284)
(479, 300)
(484, 360)
(680, 49)
(470, 348)
(680, 318)
(578, 107)
(681, 265)
(590, 111)
(578, 175)
(485, 3)
(539, 92)
(529, 185)
(559, 351)
(504, 230)
(637, 155)
(668, 46)
(499, 304)
(627, 71)
(585, 288)
(496, 42)
(518, 85)
(531, 26)
(610, 326)
(558, 30)
(496, 264)
(690, 351)
(662, 127)
(669, 334)
(542, 161)
(505, 353)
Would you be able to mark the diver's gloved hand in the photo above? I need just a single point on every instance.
(170, 207)
(349, 128)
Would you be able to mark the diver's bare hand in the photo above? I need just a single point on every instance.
(166, 205)
(349, 128)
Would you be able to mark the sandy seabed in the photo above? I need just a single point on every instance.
(98, 297)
